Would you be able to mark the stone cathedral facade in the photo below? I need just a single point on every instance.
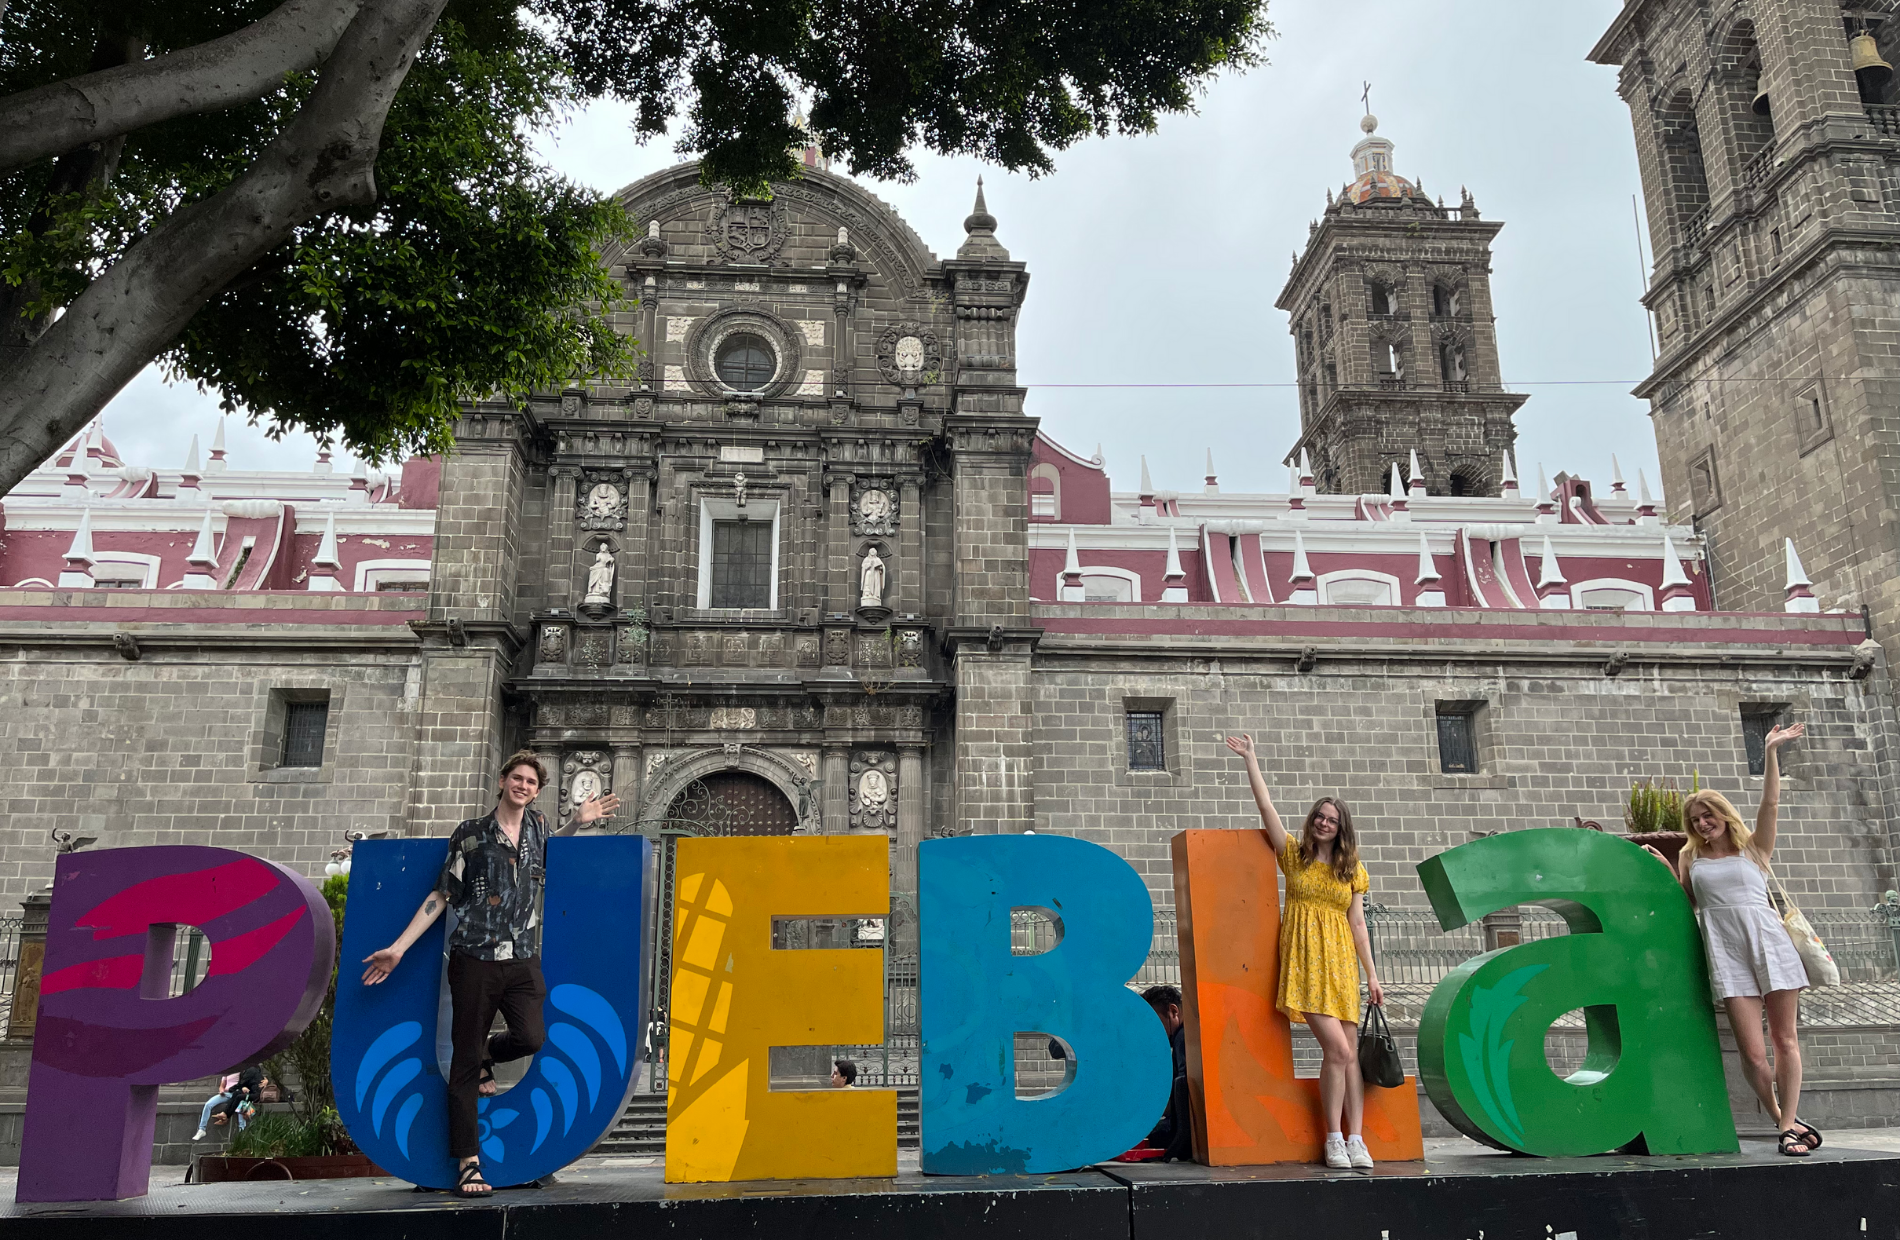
(755, 570)
(1768, 137)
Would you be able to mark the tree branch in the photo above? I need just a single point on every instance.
(324, 160)
(243, 65)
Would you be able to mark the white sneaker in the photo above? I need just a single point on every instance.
(1336, 1155)
(1356, 1151)
(199, 1135)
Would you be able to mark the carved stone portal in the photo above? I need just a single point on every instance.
(873, 791)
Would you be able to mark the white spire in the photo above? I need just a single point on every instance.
(327, 556)
(1672, 565)
(1509, 484)
(77, 575)
(1213, 482)
(1395, 488)
(1147, 485)
(1302, 568)
(1551, 574)
(1174, 581)
(81, 549)
(325, 564)
(204, 550)
(216, 464)
(1616, 476)
(1427, 567)
(1797, 575)
(1071, 567)
(1642, 490)
(1543, 485)
(1418, 475)
(1071, 589)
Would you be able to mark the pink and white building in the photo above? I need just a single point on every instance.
(1555, 545)
(89, 520)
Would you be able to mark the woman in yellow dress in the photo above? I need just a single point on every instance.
(1322, 930)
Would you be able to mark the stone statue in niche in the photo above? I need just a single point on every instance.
(738, 489)
(873, 791)
(600, 579)
(871, 580)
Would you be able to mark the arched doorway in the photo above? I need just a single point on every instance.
(732, 802)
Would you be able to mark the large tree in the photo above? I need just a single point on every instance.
(329, 210)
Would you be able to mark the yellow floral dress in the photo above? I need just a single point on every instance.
(1319, 965)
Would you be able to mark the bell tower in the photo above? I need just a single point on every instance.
(1392, 328)
(1769, 146)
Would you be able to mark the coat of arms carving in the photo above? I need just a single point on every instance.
(749, 231)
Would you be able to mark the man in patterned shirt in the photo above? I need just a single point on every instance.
(493, 880)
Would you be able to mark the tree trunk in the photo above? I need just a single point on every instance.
(241, 66)
(325, 159)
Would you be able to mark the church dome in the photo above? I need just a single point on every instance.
(1372, 164)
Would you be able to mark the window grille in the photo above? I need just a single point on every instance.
(304, 724)
(1457, 744)
(1756, 725)
(742, 564)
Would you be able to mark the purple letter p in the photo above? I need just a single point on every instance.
(108, 1036)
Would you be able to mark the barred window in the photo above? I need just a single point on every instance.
(1457, 743)
(1757, 723)
(1147, 746)
(742, 564)
(304, 724)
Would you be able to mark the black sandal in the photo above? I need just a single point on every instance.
(1812, 1139)
(487, 1077)
(1794, 1145)
(471, 1183)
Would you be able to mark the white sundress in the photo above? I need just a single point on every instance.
(1750, 953)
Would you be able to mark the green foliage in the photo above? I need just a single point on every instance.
(1656, 805)
(477, 270)
(1006, 82)
(308, 1058)
(280, 1134)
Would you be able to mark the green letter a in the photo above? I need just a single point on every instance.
(1652, 1078)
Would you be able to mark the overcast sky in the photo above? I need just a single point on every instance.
(1156, 260)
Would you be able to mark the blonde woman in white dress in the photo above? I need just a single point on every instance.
(1752, 961)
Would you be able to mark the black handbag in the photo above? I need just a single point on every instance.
(1379, 1060)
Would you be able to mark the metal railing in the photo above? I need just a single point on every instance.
(1885, 117)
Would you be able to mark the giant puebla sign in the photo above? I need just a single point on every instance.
(108, 1038)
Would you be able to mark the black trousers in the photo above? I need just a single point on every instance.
(477, 990)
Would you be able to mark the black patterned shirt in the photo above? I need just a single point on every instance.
(495, 888)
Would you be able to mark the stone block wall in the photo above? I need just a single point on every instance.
(176, 747)
(1557, 739)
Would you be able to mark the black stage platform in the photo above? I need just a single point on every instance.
(1846, 1195)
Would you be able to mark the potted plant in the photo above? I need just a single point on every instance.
(1654, 814)
(307, 1142)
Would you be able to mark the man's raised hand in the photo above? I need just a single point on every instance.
(597, 807)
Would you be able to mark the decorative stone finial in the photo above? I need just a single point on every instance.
(842, 251)
(1800, 598)
(653, 245)
(981, 225)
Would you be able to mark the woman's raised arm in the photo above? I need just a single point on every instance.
(1764, 840)
(1269, 817)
